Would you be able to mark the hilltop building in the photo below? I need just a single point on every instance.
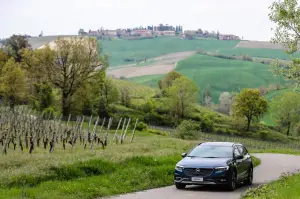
(229, 37)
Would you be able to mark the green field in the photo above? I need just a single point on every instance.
(221, 74)
(118, 50)
(136, 90)
(256, 52)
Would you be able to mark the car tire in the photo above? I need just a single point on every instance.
(231, 185)
(250, 177)
(180, 185)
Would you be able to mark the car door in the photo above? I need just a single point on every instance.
(238, 163)
(245, 162)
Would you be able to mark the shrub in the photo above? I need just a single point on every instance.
(187, 130)
(263, 134)
(141, 126)
(49, 113)
(247, 58)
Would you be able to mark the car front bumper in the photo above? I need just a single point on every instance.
(216, 178)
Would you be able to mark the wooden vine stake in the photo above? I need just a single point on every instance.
(133, 132)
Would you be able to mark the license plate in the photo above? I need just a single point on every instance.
(197, 179)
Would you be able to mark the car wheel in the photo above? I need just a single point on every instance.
(250, 177)
(232, 181)
(180, 185)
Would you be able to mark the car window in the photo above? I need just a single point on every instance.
(243, 150)
(207, 151)
(236, 152)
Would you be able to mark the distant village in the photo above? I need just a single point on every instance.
(155, 31)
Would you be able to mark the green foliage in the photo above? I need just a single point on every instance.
(187, 130)
(50, 113)
(181, 95)
(15, 44)
(78, 58)
(13, 85)
(286, 187)
(3, 59)
(285, 14)
(168, 80)
(250, 104)
(157, 132)
(141, 126)
(44, 96)
(285, 108)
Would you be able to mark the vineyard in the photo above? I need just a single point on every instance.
(23, 129)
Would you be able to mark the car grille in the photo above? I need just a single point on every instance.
(193, 172)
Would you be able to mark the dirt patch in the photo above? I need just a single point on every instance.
(259, 44)
(163, 64)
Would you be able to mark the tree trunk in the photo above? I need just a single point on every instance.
(248, 123)
(288, 130)
(65, 105)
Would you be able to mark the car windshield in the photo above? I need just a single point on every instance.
(211, 152)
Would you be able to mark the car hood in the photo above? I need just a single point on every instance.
(204, 162)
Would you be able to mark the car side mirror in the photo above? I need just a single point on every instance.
(183, 155)
(239, 157)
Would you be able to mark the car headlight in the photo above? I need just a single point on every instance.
(222, 168)
(179, 168)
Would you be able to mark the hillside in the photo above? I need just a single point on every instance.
(221, 74)
(118, 50)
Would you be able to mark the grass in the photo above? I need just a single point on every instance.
(136, 90)
(90, 173)
(93, 173)
(287, 187)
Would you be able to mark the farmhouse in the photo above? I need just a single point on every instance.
(112, 33)
(228, 37)
(165, 33)
(141, 32)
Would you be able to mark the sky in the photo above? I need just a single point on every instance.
(245, 18)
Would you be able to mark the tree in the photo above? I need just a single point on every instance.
(3, 59)
(70, 64)
(286, 109)
(13, 85)
(249, 104)
(181, 95)
(168, 80)
(125, 97)
(207, 95)
(15, 44)
(109, 92)
(285, 14)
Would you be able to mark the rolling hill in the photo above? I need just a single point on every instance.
(221, 74)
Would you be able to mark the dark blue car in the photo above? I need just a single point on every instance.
(215, 163)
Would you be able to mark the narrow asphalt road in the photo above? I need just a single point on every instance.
(271, 167)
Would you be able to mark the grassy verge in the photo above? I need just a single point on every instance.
(286, 187)
(147, 163)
